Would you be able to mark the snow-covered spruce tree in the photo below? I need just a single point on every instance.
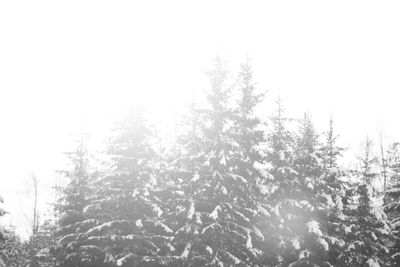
(368, 229)
(248, 159)
(328, 190)
(73, 220)
(307, 158)
(280, 140)
(213, 210)
(300, 195)
(330, 150)
(336, 191)
(246, 126)
(13, 251)
(279, 155)
(319, 194)
(368, 161)
(295, 232)
(188, 155)
(392, 201)
(130, 227)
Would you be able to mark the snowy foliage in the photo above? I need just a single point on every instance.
(226, 194)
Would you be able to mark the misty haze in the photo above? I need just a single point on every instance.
(209, 133)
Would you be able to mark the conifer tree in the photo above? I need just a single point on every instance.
(249, 161)
(188, 155)
(334, 205)
(383, 160)
(330, 150)
(213, 210)
(280, 140)
(368, 229)
(325, 189)
(307, 157)
(287, 195)
(368, 162)
(73, 221)
(392, 201)
(300, 197)
(279, 156)
(246, 131)
(337, 191)
(130, 229)
(13, 251)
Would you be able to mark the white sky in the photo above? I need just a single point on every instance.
(64, 62)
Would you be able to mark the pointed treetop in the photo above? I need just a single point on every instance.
(331, 151)
(368, 160)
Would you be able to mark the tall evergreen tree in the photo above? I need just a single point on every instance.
(220, 198)
(13, 251)
(284, 191)
(213, 211)
(73, 220)
(249, 161)
(280, 140)
(246, 129)
(334, 206)
(368, 229)
(307, 154)
(368, 162)
(336, 193)
(188, 154)
(330, 150)
(300, 196)
(392, 201)
(130, 228)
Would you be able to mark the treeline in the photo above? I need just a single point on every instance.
(230, 191)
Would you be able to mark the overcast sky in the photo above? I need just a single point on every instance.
(64, 63)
